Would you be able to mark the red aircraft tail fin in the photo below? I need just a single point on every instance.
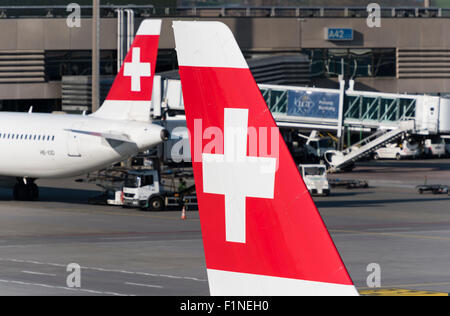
(131, 93)
(262, 232)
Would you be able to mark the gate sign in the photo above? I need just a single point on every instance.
(338, 34)
(313, 104)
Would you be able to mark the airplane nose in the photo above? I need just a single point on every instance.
(165, 135)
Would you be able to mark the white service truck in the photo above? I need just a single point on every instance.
(142, 189)
(315, 178)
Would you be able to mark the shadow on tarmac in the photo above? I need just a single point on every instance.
(56, 195)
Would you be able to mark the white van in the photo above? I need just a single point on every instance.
(434, 147)
(398, 151)
(447, 145)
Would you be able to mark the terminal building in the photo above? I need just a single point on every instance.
(42, 57)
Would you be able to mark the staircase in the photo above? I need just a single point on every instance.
(339, 160)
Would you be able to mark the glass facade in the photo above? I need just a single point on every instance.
(354, 63)
(77, 63)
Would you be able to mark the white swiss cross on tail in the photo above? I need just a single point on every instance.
(136, 70)
(256, 175)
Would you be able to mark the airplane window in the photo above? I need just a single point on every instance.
(34, 137)
(48, 138)
(53, 138)
(39, 137)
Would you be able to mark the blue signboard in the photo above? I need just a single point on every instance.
(313, 104)
(339, 34)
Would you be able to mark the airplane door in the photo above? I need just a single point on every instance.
(73, 141)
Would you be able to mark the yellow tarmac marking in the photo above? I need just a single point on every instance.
(391, 235)
(410, 285)
(400, 292)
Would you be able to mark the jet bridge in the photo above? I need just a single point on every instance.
(334, 110)
(321, 109)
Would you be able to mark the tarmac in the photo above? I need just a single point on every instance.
(130, 252)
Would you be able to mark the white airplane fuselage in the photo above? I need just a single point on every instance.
(34, 145)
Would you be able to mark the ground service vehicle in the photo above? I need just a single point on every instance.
(315, 178)
(142, 189)
(447, 145)
(434, 147)
(317, 146)
(398, 151)
(433, 188)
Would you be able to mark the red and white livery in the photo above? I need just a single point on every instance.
(262, 232)
(41, 145)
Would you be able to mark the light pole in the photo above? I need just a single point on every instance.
(95, 55)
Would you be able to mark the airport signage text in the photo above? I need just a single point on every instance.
(313, 104)
(338, 34)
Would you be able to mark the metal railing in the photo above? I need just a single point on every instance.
(60, 11)
(310, 12)
(107, 11)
